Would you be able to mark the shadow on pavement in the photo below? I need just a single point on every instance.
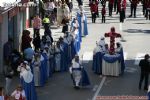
(136, 31)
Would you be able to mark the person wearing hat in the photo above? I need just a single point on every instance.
(27, 81)
(145, 70)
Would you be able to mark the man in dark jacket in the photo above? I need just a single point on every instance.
(145, 68)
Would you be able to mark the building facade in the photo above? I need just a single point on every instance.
(13, 20)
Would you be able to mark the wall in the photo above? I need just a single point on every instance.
(3, 38)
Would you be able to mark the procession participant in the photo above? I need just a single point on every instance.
(57, 57)
(43, 43)
(75, 33)
(62, 52)
(19, 93)
(119, 50)
(82, 19)
(93, 8)
(78, 74)
(101, 43)
(36, 64)
(145, 70)
(106, 51)
(68, 40)
(52, 58)
(27, 81)
(46, 55)
(134, 4)
(28, 54)
(97, 59)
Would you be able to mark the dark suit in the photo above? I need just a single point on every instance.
(145, 68)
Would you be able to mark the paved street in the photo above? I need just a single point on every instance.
(136, 32)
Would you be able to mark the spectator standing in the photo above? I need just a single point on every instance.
(145, 69)
(103, 14)
(93, 8)
(36, 25)
(26, 40)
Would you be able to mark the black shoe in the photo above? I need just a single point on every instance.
(77, 87)
(130, 16)
(146, 88)
(139, 88)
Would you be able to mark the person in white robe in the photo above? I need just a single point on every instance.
(101, 43)
(76, 72)
(57, 57)
(36, 63)
(27, 81)
(118, 48)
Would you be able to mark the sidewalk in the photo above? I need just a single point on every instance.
(56, 33)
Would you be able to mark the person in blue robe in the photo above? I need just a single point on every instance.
(75, 33)
(78, 74)
(52, 59)
(45, 65)
(119, 50)
(43, 69)
(27, 81)
(97, 59)
(82, 19)
(63, 55)
(46, 55)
